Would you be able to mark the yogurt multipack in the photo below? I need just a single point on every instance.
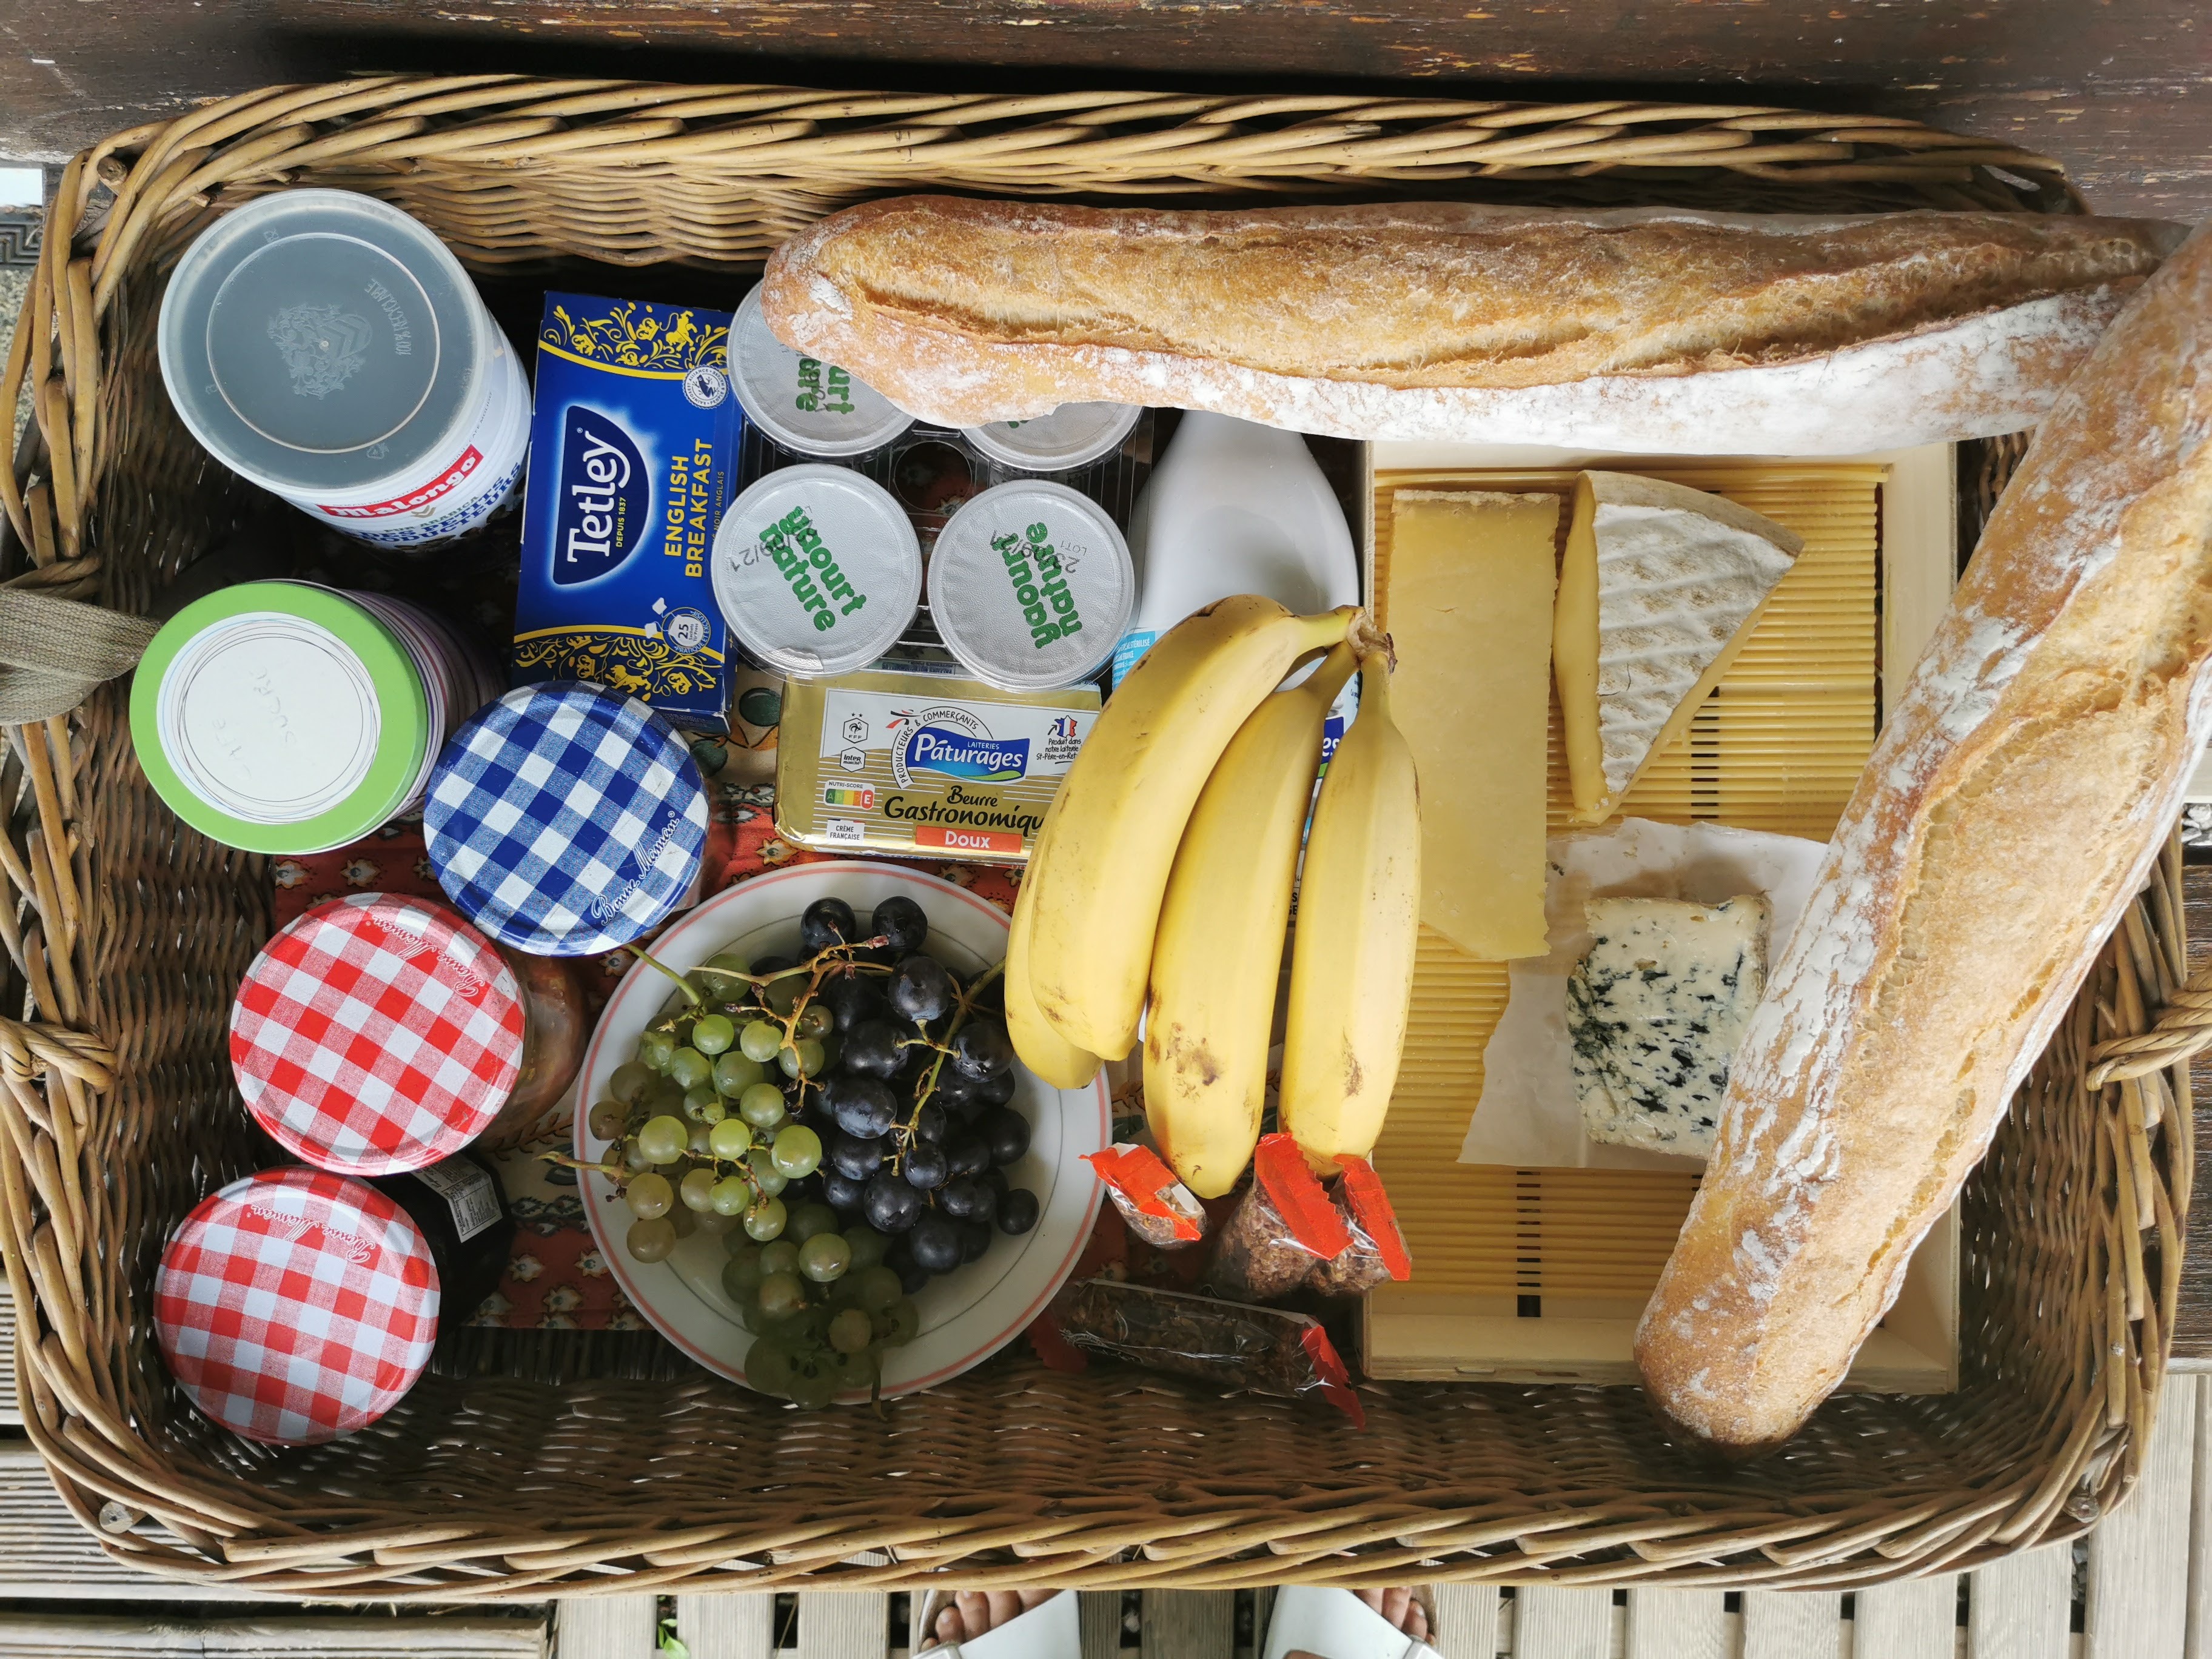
(634, 448)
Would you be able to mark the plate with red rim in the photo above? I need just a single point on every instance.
(966, 1316)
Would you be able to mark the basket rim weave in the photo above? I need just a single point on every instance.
(803, 150)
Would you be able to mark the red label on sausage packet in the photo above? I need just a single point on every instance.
(1296, 1194)
(1139, 1176)
(1370, 1208)
(1335, 1381)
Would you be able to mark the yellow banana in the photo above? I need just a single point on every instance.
(1041, 1049)
(1219, 957)
(1098, 876)
(1352, 967)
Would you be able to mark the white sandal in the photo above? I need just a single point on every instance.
(1336, 1625)
(1050, 1630)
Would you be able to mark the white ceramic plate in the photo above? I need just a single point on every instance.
(967, 1315)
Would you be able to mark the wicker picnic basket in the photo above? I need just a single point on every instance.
(126, 934)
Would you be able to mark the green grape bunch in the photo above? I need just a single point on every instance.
(842, 1122)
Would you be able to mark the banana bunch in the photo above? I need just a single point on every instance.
(1160, 888)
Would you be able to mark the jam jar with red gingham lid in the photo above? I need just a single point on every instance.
(296, 1306)
(378, 1034)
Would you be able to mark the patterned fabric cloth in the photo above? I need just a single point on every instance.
(376, 1034)
(565, 820)
(556, 1279)
(295, 1306)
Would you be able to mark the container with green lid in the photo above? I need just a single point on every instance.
(281, 717)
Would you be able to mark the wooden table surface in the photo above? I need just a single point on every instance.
(2120, 90)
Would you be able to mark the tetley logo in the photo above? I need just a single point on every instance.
(602, 511)
(953, 744)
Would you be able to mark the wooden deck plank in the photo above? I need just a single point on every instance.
(1911, 1618)
(1552, 1623)
(2138, 1605)
(1099, 1614)
(843, 1623)
(352, 1636)
(729, 1626)
(2022, 1606)
(1467, 1620)
(1683, 1624)
(46, 1556)
(1187, 1624)
(2200, 1519)
(1794, 1624)
(606, 1627)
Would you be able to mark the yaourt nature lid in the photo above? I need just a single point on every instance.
(1030, 585)
(818, 570)
(810, 407)
(1073, 435)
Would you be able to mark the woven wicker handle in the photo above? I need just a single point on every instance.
(53, 652)
(2184, 1031)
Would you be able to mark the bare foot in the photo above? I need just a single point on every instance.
(1398, 1606)
(974, 1611)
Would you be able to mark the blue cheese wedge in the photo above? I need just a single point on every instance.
(1656, 1012)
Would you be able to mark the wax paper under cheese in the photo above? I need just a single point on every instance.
(1778, 746)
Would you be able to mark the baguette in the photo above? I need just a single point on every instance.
(2013, 806)
(1647, 330)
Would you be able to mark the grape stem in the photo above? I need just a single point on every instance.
(964, 1005)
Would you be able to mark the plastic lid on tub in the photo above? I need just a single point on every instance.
(565, 820)
(810, 407)
(376, 1034)
(818, 570)
(1030, 585)
(296, 1305)
(320, 340)
(1073, 435)
(280, 717)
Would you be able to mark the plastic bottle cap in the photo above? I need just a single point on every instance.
(566, 820)
(320, 341)
(376, 1034)
(1073, 435)
(818, 570)
(1030, 585)
(280, 717)
(295, 1306)
(810, 407)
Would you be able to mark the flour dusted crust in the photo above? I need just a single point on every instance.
(1653, 330)
(2013, 805)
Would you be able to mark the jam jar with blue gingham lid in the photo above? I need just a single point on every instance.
(566, 820)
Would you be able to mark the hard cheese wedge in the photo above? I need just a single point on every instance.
(1469, 610)
(1658, 590)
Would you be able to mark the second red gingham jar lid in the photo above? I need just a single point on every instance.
(295, 1306)
(376, 1034)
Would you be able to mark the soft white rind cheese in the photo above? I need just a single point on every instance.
(1656, 1012)
(1673, 586)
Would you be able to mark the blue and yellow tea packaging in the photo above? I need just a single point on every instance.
(634, 436)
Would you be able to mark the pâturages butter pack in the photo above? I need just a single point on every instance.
(633, 454)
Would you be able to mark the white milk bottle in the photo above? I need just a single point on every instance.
(1236, 507)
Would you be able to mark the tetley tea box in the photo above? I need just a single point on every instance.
(633, 452)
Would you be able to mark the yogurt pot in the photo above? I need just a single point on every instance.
(567, 820)
(1073, 435)
(283, 1253)
(817, 571)
(282, 717)
(1030, 585)
(327, 347)
(809, 407)
(378, 1034)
